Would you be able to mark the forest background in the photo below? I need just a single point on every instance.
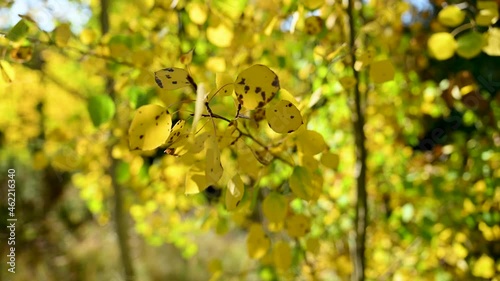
(250, 140)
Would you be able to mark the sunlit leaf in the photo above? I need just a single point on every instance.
(198, 12)
(311, 142)
(195, 181)
(484, 267)
(88, 36)
(220, 35)
(330, 160)
(283, 117)
(178, 135)
(172, 78)
(492, 48)
(150, 127)
(101, 109)
(8, 73)
(442, 45)
(451, 16)
(256, 86)
(224, 83)
(488, 13)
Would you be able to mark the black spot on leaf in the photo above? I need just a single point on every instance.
(158, 82)
(276, 82)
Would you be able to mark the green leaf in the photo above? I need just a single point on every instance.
(19, 31)
(469, 45)
(101, 109)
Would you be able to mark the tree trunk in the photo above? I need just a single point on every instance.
(119, 214)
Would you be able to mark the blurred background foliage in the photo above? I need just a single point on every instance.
(432, 138)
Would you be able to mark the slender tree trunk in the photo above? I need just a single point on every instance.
(358, 253)
(119, 214)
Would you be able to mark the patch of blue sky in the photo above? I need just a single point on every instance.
(47, 13)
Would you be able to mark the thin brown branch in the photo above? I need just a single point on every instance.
(358, 253)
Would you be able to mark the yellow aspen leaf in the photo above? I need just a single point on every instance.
(366, 58)
(178, 136)
(470, 44)
(313, 4)
(484, 267)
(298, 225)
(283, 117)
(187, 58)
(234, 192)
(229, 136)
(216, 64)
(256, 86)
(88, 36)
(347, 82)
(197, 12)
(282, 255)
(224, 83)
(382, 71)
(221, 35)
(488, 13)
(198, 143)
(311, 142)
(62, 33)
(286, 95)
(150, 127)
(451, 16)
(270, 26)
(492, 48)
(257, 242)
(172, 78)
(301, 183)
(330, 160)
(8, 73)
(309, 162)
(442, 45)
(213, 169)
(195, 181)
(275, 207)
(313, 25)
